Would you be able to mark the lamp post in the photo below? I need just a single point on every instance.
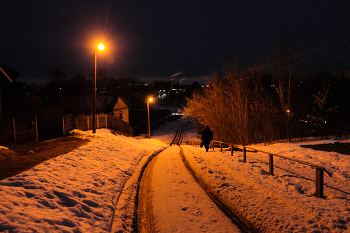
(99, 47)
(149, 99)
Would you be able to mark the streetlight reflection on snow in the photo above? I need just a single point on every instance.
(100, 47)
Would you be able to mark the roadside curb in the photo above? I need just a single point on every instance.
(125, 212)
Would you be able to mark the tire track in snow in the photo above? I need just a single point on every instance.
(175, 201)
(125, 215)
(242, 223)
(145, 218)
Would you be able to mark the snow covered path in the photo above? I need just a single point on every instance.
(179, 203)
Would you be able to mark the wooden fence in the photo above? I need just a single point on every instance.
(14, 129)
(118, 124)
(84, 122)
(24, 127)
(319, 169)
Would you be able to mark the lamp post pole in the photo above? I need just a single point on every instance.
(100, 47)
(149, 99)
(94, 102)
(149, 124)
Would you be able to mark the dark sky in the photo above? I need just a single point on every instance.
(158, 38)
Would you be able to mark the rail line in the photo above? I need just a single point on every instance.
(180, 132)
(178, 138)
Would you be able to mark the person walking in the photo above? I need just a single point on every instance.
(207, 136)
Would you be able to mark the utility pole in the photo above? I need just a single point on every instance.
(0, 92)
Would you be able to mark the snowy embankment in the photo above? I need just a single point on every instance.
(74, 192)
(284, 202)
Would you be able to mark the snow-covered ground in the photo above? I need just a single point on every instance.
(81, 191)
(179, 203)
(74, 192)
(284, 202)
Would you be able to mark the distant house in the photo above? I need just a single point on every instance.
(121, 109)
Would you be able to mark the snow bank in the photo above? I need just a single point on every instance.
(6, 153)
(74, 192)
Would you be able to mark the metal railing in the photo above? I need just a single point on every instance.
(319, 169)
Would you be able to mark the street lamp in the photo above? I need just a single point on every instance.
(149, 99)
(100, 47)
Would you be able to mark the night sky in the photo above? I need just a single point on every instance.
(155, 39)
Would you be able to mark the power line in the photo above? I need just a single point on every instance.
(269, 66)
(293, 56)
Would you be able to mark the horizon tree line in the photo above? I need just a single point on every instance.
(245, 106)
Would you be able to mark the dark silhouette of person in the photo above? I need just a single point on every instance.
(207, 136)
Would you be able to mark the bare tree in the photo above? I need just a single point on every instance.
(318, 117)
(240, 110)
(282, 58)
(225, 106)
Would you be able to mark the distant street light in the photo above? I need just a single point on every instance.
(149, 99)
(100, 47)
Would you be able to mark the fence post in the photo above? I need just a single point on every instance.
(319, 182)
(106, 121)
(231, 150)
(14, 129)
(76, 122)
(98, 121)
(271, 164)
(244, 155)
(88, 123)
(220, 146)
(36, 129)
(64, 133)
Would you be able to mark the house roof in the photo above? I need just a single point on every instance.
(127, 104)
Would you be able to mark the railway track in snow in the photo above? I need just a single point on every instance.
(178, 138)
(172, 197)
(180, 133)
